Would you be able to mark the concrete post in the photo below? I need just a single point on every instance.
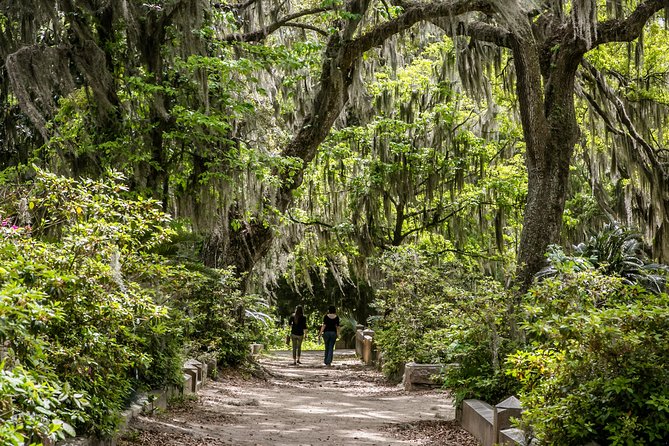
(368, 341)
(502, 414)
(358, 343)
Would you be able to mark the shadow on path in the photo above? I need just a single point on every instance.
(309, 404)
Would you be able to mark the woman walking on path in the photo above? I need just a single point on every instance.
(298, 328)
(330, 332)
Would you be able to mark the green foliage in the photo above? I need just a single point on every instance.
(591, 364)
(433, 313)
(221, 320)
(347, 329)
(86, 301)
(595, 371)
(36, 409)
(274, 338)
(76, 264)
(613, 251)
(413, 171)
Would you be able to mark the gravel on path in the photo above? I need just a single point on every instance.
(308, 404)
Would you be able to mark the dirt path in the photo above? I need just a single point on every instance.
(308, 404)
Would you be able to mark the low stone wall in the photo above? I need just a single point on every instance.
(195, 375)
(364, 346)
(492, 425)
(421, 375)
(477, 418)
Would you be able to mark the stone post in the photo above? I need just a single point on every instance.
(368, 340)
(358, 343)
(502, 414)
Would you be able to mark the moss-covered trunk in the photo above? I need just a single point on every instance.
(546, 96)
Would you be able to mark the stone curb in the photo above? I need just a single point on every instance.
(195, 375)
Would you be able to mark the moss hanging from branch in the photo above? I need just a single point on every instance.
(38, 76)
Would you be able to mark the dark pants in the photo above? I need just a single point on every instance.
(329, 338)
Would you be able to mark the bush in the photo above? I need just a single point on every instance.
(91, 313)
(597, 371)
(222, 320)
(71, 285)
(36, 409)
(434, 315)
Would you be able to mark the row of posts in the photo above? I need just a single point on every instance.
(364, 344)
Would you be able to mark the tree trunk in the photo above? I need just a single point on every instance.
(551, 132)
(240, 248)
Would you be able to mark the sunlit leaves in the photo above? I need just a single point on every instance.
(592, 371)
(73, 304)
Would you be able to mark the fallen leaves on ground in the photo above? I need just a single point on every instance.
(434, 433)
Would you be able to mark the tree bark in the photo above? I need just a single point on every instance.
(551, 132)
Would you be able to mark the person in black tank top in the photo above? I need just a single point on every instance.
(330, 332)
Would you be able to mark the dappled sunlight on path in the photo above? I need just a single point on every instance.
(345, 404)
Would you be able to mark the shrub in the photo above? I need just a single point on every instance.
(433, 314)
(614, 251)
(71, 286)
(36, 409)
(597, 371)
(220, 319)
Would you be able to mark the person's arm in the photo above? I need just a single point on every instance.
(320, 333)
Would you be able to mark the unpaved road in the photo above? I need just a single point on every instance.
(308, 404)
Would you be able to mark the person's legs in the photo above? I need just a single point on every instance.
(297, 348)
(329, 338)
(294, 341)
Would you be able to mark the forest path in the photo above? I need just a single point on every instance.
(308, 404)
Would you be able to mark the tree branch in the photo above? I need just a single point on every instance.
(630, 28)
(309, 27)
(236, 7)
(478, 30)
(312, 222)
(433, 222)
(486, 32)
(261, 34)
(413, 14)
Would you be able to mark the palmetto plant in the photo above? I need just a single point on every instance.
(348, 327)
(615, 251)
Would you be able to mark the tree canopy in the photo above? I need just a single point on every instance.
(410, 119)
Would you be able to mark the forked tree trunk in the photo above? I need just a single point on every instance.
(546, 95)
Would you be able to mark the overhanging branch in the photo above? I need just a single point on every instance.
(413, 14)
(307, 27)
(628, 29)
(261, 34)
(485, 33)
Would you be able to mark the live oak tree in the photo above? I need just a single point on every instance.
(80, 44)
(548, 43)
(548, 48)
